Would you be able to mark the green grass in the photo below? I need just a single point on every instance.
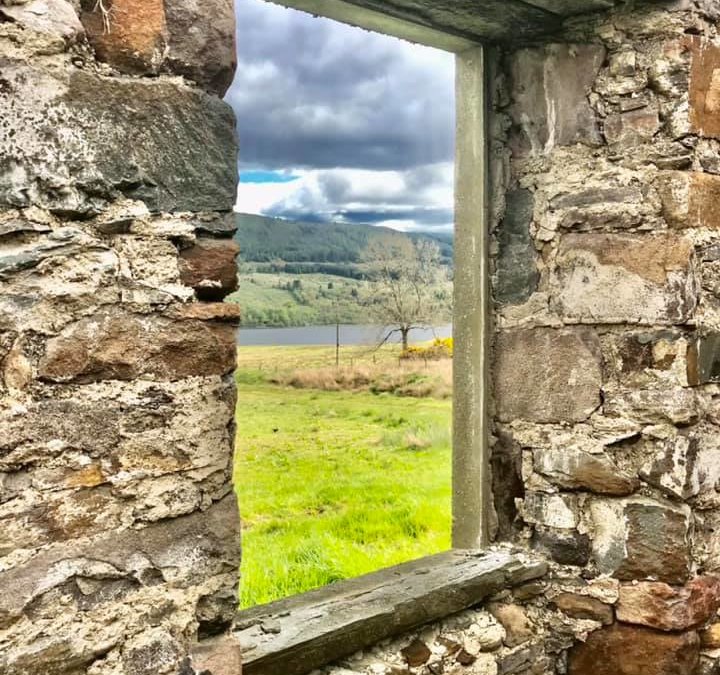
(333, 485)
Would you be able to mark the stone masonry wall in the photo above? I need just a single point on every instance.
(606, 149)
(118, 524)
(606, 271)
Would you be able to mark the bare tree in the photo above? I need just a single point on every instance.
(407, 280)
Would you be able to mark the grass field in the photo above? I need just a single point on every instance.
(360, 369)
(333, 484)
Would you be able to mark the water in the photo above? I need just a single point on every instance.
(325, 335)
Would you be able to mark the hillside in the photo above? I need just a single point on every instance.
(266, 240)
(303, 274)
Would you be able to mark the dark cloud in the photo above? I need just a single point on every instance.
(417, 219)
(423, 217)
(312, 93)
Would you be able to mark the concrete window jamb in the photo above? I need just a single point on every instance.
(471, 317)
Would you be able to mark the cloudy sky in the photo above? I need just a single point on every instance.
(336, 123)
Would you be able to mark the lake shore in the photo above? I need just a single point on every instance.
(350, 335)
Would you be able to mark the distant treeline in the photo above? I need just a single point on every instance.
(311, 248)
(348, 270)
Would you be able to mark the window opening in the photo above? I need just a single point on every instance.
(345, 212)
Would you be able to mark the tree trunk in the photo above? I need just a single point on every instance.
(405, 332)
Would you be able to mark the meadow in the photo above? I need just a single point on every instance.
(339, 472)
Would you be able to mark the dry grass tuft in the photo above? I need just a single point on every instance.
(433, 380)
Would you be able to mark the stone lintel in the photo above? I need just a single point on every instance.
(454, 25)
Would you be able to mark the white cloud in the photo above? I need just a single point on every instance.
(382, 197)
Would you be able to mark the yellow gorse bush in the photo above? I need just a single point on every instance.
(440, 348)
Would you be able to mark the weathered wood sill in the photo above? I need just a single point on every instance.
(298, 634)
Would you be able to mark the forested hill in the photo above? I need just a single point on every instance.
(312, 274)
(267, 240)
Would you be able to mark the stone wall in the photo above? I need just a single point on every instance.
(606, 402)
(118, 524)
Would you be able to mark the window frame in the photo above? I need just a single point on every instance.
(471, 482)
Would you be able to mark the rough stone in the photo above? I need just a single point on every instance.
(706, 549)
(521, 661)
(56, 18)
(632, 128)
(622, 77)
(171, 558)
(210, 268)
(218, 225)
(559, 372)
(640, 359)
(708, 666)
(220, 656)
(507, 483)
(550, 510)
(144, 440)
(29, 254)
(619, 278)
(14, 222)
(485, 634)
(669, 73)
(119, 533)
(464, 658)
(710, 637)
(483, 664)
(66, 143)
(630, 650)
(130, 35)
(703, 360)
(586, 206)
(416, 653)
(120, 345)
(660, 404)
(663, 607)
(686, 465)
(207, 311)
(517, 273)
(584, 607)
(640, 538)
(529, 591)
(102, 571)
(577, 469)
(705, 87)
(202, 41)
(154, 650)
(513, 618)
(550, 88)
(564, 547)
(690, 199)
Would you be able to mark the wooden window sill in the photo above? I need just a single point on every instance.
(299, 634)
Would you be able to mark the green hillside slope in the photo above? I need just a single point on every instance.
(264, 240)
(302, 274)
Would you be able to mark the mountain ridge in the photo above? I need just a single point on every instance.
(264, 239)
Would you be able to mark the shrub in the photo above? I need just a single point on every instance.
(440, 348)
